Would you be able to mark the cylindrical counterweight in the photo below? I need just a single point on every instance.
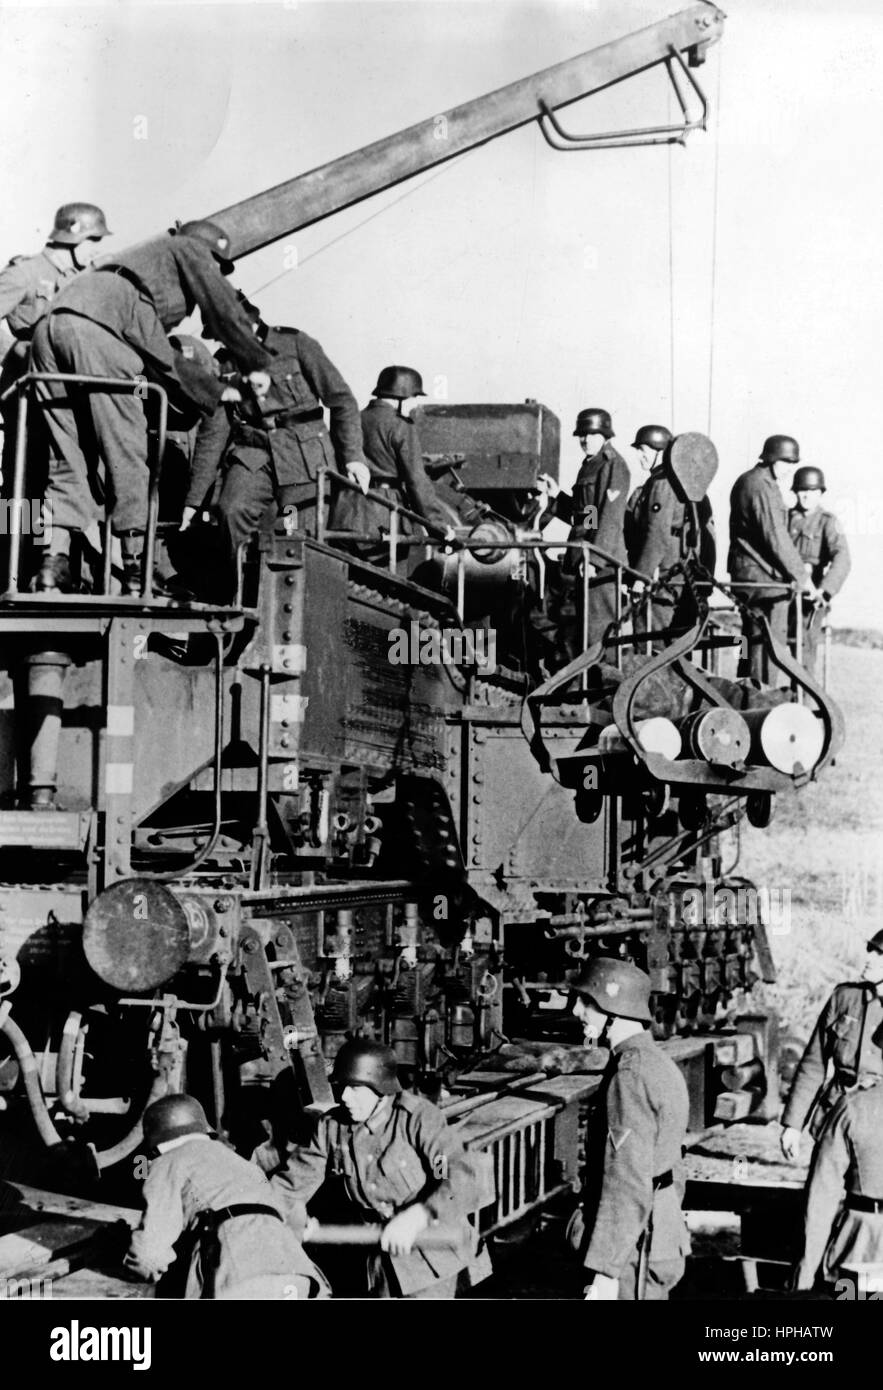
(656, 735)
(718, 735)
(788, 737)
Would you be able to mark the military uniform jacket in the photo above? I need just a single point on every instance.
(822, 545)
(178, 273)
(392, 448)
(117, 305)
(657, 522)
(639, 1132)
(260, 1255)
(848, 1159)
(598, 503)
(403, 1155)
(303, 380)
(28, 286)
(841, 1039)
(760, 546)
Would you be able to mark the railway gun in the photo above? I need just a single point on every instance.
(234, 835)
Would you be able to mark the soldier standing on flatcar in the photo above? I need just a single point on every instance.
(596, 511)
(630, 1232)
(392, 448)
(661, 524)
(271, 448)
(28, 286)
(113, 322)
(761, 550)
(649, 441)
(386, 1155)
(845, 1044)
(823, 547)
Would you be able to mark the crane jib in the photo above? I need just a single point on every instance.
(264, 218)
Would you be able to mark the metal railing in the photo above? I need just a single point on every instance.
(144, 390)
(527, 1173)
(432, 538)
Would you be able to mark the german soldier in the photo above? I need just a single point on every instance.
(392, 448)
(660, 523)
(28, 286)
(241, 1244)
(823, 547)
(761, 550)
(843, 1041)
(272, 448)
(596, 509)
(633, 1238)
(114, 323)
(844, 1195)
(394, 1160)
(649, 442)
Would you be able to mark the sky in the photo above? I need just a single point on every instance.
(733, 286)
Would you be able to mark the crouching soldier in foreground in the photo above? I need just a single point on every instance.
(631, 1232)
(388, 1156)
(242, 1246)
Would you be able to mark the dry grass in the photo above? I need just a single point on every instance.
(825, 845)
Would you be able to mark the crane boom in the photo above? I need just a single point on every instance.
(310, 197)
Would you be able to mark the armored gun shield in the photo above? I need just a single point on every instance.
(692, 459)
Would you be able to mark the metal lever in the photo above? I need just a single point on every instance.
(561, 139)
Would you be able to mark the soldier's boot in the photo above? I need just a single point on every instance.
(54, 574)
(132, 548)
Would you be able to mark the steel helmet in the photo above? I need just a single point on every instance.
(594, 421)
(212, 236)
(657, 436)
(876, 942)
(365, 1063)
(76, 222)
(399, 383)
(171, 1118)
(808, 477)
(615, 987)
(780, 446)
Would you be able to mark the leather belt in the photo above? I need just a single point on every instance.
(277, 419)
(663, 1181)
(207, 1225)
(857, 1201)
(126, 274)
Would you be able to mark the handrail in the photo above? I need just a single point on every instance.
(140, 388)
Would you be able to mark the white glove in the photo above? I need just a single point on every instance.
(230, 393)
(360, 474)
(186, 517)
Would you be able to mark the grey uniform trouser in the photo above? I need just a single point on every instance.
(98, 439)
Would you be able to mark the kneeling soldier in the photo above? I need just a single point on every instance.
(242, 1245)
(389, 1156)
(632, 1235)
